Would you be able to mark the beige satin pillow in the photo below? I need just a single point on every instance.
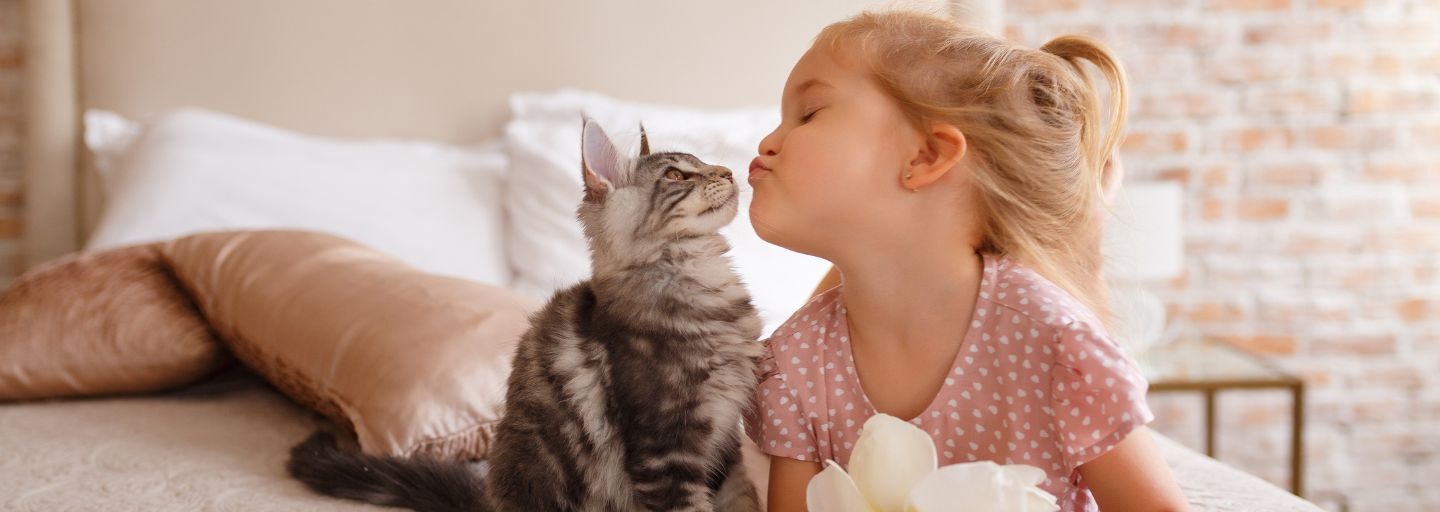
(412, 361)
(99, 323)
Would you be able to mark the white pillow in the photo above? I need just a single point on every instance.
(547, 247)
(434, 206)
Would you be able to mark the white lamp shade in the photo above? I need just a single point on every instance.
(1144, 238)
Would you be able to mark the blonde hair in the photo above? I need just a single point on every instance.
(1031, 118)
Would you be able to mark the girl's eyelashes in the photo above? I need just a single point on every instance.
(806, 118)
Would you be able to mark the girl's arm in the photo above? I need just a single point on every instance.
(1131, 477)
(788, 479)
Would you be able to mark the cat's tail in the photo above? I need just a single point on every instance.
(419, 483)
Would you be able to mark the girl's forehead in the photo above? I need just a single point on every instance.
(819, 68)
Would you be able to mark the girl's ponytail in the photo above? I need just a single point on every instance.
(1073, 49)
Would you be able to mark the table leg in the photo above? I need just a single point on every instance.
(1297, 439)
(1210, 422)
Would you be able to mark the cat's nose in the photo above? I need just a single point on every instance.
(725, 173)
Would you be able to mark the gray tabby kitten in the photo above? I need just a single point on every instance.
(627, 392)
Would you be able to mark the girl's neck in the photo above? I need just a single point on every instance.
(921, 300)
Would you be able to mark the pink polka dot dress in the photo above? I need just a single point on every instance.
(1037, 381)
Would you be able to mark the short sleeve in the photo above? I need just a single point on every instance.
(1099, 394)
(777, 424)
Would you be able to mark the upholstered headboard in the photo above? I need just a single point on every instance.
(438, 69)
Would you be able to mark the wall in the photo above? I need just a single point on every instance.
(1306, 133)
(12, 64)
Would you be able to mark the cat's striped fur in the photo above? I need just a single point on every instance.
(627, 392)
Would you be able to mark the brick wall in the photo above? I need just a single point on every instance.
(1307, 134)
(11, 65)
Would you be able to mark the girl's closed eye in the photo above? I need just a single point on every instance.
(806, 118)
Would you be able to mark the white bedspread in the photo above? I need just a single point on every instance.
(225, 449)
(180, 453)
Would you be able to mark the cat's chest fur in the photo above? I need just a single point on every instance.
(682, 348)
(695, 333)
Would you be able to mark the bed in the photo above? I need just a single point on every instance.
(438, 70)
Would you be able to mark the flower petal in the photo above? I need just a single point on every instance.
(889, 458)
(1029, 478)
(981, 487)
(833, 490)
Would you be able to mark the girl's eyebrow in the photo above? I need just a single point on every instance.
(800, 89)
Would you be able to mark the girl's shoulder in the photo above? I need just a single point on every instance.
(808, 336)
(1035, 299)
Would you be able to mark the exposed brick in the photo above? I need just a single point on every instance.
(1339, 4)
(1353, 345)
(1392, 440)
(1156, 141)
(1247, 5)
(1251, 67)
(1288, 174)
(1353, 137)
(1425, 207)
(1410, 30)
(1015, 32)
(1044, 6)
(1160, 67)
(1307, 309)
(1404, 239)
(1263, 344)
(1166, 6)
(1344, 63)
(1214, 312)
(1417, 309)
(1387, 64)
(1257, 138)
(1401, 376)
(1403, 170)
(1290, 32)
(1428, 64)
(1182, 34)
(1217, 175)
(1376, 100)
(1262, 209)
(1426, 135)
(1359, 204)
(1184, 104)
(1292, 100)
(1301, 243)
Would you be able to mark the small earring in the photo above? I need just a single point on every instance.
(907, 178)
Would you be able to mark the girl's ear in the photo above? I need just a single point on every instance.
(941, 151)
(599, 162)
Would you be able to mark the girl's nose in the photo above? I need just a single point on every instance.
(769, 145)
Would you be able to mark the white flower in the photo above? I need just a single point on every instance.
(893, 469)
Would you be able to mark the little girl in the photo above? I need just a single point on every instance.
(954, 179)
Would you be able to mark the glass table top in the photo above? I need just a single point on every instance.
(1201, 360)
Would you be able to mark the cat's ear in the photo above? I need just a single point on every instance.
(644, 141)
(599, 162)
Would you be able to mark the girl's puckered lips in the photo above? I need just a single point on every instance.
(756, 167)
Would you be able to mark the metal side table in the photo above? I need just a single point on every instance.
(1209, 366)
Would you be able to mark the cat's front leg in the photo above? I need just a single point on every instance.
(737, 494)
(675, 489)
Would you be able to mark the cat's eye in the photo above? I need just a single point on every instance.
(674, 174)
